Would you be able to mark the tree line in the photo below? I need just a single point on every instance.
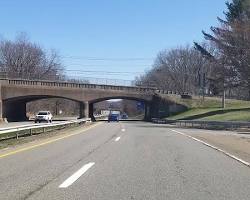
(20, 58)
(221, 63)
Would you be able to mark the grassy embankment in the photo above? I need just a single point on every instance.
(210, 109)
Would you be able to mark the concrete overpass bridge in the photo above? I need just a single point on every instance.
(16, 93)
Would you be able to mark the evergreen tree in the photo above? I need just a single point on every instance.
(235, 10)
(232, 43)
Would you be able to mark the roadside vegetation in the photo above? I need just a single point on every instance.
(217, 66)
(211, 109)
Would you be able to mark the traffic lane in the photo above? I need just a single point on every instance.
(49, 191)
(152, 162)
(26, 172)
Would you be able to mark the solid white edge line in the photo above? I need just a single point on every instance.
(216, 148)
(117, 139)
(69, 181)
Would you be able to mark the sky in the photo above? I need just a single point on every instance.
(111, 39)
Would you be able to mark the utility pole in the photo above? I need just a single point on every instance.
(224, 97)
(203, 86)
(57, 106)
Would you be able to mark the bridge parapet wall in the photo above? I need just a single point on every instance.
(61, 84)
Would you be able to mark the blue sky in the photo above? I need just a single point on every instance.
(110, 29)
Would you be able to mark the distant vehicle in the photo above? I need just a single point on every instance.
(113, 117)
(43, 116)
(116, 112)
(124, 116)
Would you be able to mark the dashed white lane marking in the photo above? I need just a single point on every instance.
(69, 181)
(123, 130)
(216, 148)
(117, 139)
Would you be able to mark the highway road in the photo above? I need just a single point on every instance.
(126, 160)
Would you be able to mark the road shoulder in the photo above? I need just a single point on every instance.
(233, 143)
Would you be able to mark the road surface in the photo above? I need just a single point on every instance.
(126, 160)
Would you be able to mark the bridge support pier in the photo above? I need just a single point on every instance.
(147, 115)
(156, 108)
(91, 112)
(1, 111)
(14, 111)
(84, 110)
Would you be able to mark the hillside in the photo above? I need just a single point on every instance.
(210, 109)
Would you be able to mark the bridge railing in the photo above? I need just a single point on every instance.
(48, 83)
(88, 82)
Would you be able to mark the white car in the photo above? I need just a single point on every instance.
(43, 116)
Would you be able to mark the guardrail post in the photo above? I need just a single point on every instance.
(17, 135)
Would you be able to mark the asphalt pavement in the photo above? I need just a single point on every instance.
(125, 160)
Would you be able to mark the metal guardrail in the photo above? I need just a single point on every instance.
(204, 124)
(16, 127)
(24, 130)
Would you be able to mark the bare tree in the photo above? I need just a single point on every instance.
(178, 69)
(24, 59)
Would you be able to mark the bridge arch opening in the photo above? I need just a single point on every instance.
(22, 107)
(129, 108)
